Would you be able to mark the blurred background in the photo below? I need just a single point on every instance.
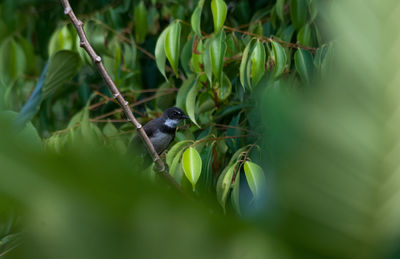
(296, 127)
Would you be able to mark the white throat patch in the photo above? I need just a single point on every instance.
(171, 123)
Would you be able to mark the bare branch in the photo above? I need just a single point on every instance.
(84, 43)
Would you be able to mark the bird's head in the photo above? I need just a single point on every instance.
(172, 116)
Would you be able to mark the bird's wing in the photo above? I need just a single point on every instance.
(151, 127)
(138, 150)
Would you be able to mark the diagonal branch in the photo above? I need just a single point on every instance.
(84, 43)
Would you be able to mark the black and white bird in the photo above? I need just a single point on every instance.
(161, 132)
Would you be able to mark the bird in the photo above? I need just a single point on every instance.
(161, 132)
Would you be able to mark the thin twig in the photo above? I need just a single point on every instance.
(131, 105)
(269, 39)
(266, 39)
(219, 138)
(84, 43)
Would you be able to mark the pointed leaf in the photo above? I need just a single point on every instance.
(113, 138)
(12, 61)
(304, 35)
(183, 91)
(224, 185)
(197, 58)
(60, 40)
(313, 10)
(280, 4)
(175, 169)
(323, 58)
(63, 67)
(304, 65)
(255, 178)
(244, 76)
(10, 242)
(141, 26)
(160, 52)
(187, 55)
(191, 101)
(207, 61)
(235, 194)
(191, 163)
(217, 54)
(196, 18)
(224, 89)
(219, 10)
(298, 12)
(279, 56)
(172, 153)
(257, 63)
(172, 45)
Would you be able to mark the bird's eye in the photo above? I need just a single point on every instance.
(175, 113)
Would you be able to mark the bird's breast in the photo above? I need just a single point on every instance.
(161, 140)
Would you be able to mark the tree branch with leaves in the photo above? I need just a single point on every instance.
(84, 43)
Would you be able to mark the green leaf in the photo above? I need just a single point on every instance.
(191, 163)
(257, 63)
(196, 18)
(304, 35)
(27, 131)
(172, 45)
(304, 65)
(224, 185)
(187, 55)
(206, 178)
(197, 59)
(141, 26)
(62, 39)
(207, 61)
(191, 101)
(12, 61)
(164, 100)
(313, 10)
(280, 4)
(235, 194)
(183, 91)
(129, 53)
(89, 132)
(219, 10)
(160, 52)
(29, 53)
(112, 62)
(172, 153)
(244, 75)
(298, 12)
(152, 19)
(280, 59)
(63, 66)
(286, 34)
(255, 178)
(224, 89)
(217, 50)
(175, 169)
(323, 58)
(113, 138)
(9, 242)
(110, 130)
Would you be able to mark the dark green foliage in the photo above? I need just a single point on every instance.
(296, 139)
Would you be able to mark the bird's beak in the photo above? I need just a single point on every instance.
(186, 117)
